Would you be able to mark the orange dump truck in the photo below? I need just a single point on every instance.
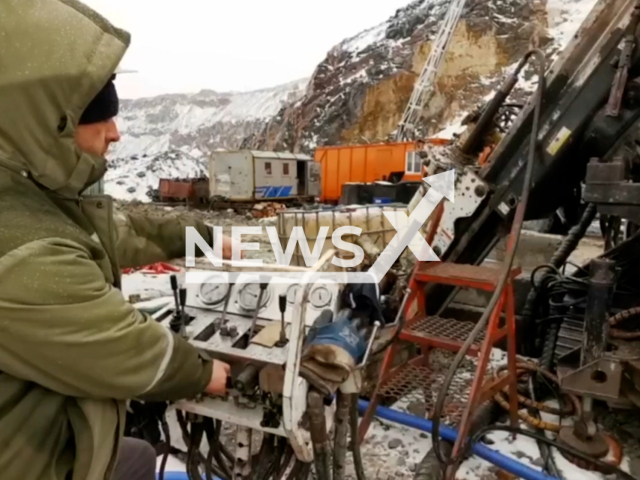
(365, 164)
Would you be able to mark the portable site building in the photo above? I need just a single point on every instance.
(344, 164)
(251, 175)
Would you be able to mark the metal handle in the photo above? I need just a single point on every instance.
(376, 327)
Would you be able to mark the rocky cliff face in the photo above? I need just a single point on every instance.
(359, 92)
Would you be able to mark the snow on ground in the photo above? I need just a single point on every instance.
(564, 18)
(131, 178)
(188, 112)
(366, 38)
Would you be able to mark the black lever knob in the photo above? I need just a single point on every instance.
(282, 303)
(183, 297)
(174, 288)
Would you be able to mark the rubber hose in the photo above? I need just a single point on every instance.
(449, 434)
(512, 245)
(560, 256)
(606, 468)
(429, 468)
(528, 367)
(545, 450)
(167, 447)
(621, 317)
(355, 444)
(549, 344)
(534, 422)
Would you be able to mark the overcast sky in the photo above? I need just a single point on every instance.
(187, 45)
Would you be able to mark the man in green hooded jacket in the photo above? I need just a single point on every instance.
(72, 350)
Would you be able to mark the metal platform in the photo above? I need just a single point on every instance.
(446, 333)
(415, 386)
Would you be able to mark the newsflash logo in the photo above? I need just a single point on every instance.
(407, 236)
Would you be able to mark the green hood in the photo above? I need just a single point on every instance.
(55, 57)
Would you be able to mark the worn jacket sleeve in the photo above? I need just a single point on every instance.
(143, 240)
(65, 328)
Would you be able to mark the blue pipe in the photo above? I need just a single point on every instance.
(174, 476)
(177, 476)
(449, 434)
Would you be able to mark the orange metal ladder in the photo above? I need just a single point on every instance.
(449, 334)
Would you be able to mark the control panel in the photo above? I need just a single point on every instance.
(258, 327)
(243, 298)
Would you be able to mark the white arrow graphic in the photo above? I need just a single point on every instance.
(408, 228)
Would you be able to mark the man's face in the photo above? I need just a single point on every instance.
(95, 138)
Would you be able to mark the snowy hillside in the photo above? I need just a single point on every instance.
(171, 135)
(360, 90)
(357, 94)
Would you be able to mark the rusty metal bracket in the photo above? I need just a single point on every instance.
(601, 379)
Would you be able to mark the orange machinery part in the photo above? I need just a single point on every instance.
(362, 164)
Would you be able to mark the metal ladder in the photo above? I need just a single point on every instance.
(425, 86)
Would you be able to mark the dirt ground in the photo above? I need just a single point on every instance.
(224, 218)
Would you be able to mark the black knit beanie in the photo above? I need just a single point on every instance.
(104, 105)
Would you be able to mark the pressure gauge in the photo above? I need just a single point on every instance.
(213, 293)
(320, 297)
(292, 293)
(248, 297)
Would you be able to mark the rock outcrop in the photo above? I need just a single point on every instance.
(359, 92)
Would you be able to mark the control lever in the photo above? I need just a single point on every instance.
(183, 300)
(174, 289)
(263, 287)
(222, 320)
(282, 303)
(177, 321)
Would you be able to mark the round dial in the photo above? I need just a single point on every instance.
(248, 296)
(213, 293)
(292, 292)
(320, 296)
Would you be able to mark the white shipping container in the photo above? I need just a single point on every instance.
(250, 175)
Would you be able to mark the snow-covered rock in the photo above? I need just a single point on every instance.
(130, 178)
(171, 135)
(359, 92)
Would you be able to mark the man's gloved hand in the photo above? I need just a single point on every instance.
(332, 355)
(219, 374)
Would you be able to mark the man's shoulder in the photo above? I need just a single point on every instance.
(27, 215)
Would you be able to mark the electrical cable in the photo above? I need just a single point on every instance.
(274, 464)
(529, 369)
(288, 455)
(212, 432)
(167, 446)
(355, 444)
(195, 456)
(500, 460)
(545, 450)
(195, 437)
(607, 468)
(514, 237)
